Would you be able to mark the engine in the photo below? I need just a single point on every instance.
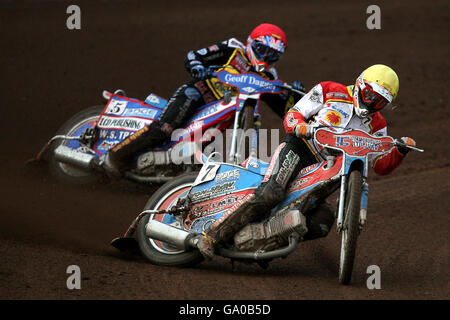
(272, 233)
(167, 161)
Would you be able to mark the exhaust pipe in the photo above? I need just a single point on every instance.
(169, 234)
(77, 159)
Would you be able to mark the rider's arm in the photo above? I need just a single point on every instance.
(388, 162)
(305, 108)
(217, 54)
(280, 103)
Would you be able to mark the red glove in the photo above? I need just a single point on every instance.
(302, 130)
(409, 142)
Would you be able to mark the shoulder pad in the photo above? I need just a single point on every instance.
(234, 43)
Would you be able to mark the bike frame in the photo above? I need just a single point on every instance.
(122, 116)
(312, 184)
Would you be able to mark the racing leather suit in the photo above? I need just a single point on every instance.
(328, 103)
(229, 55)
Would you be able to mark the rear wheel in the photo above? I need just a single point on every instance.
(74, 127)
(350, 226)
(158, 252)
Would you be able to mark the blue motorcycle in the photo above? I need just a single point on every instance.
(75, 153)
(177, 214)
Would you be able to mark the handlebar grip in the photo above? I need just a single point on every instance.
(400, 143)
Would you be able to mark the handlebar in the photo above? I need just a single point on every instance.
(211, 71)
(400, 143)
(289, 87)
(397, 142)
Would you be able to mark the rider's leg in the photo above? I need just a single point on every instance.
(290, 157)
(178, 110)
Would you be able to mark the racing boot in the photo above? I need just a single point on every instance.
(257, 206)
(120, 155)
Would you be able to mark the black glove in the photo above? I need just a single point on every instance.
(405, 141)
(197, 70)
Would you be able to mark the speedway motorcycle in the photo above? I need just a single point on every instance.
(75, 153)
(174, 218)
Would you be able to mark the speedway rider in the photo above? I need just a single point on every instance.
(330, 104)
(265, 45)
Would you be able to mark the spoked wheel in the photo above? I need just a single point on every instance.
(161, 253)
(74, 127)
(246, 122)
(247, 118)
(350, 226)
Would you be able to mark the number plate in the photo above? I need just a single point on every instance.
(207, 173)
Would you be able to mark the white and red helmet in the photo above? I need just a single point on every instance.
(265, 46)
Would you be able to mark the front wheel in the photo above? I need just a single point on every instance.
(75, 126)
(246, 122)
(350, 226)
(165, 197)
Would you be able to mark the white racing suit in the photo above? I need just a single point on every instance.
(328, 103)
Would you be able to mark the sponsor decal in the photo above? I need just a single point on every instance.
(228, 175)
(336, 95)
(248, 89)
(114, 134)
(249, 80)
(309, 168)
(132, 137)
(291, 121)
(194, 126)
(106, 145)
(153, 100)
(206, 94)
(207, 112)
(273, 162)
(345, 114)
(333, 117)
(122, 123)
(240, 63)
(358, 142)
(213, 191)
(211, 207)
(287, 168)
(233, 208)
(151, 113)
(300, 182)
(315, 96)
(213, 56)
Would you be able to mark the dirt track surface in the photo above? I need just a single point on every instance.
(50, 73)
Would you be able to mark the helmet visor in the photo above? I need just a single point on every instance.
(265, 53)
(372, 99)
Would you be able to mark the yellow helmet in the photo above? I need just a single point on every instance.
(376, 87)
